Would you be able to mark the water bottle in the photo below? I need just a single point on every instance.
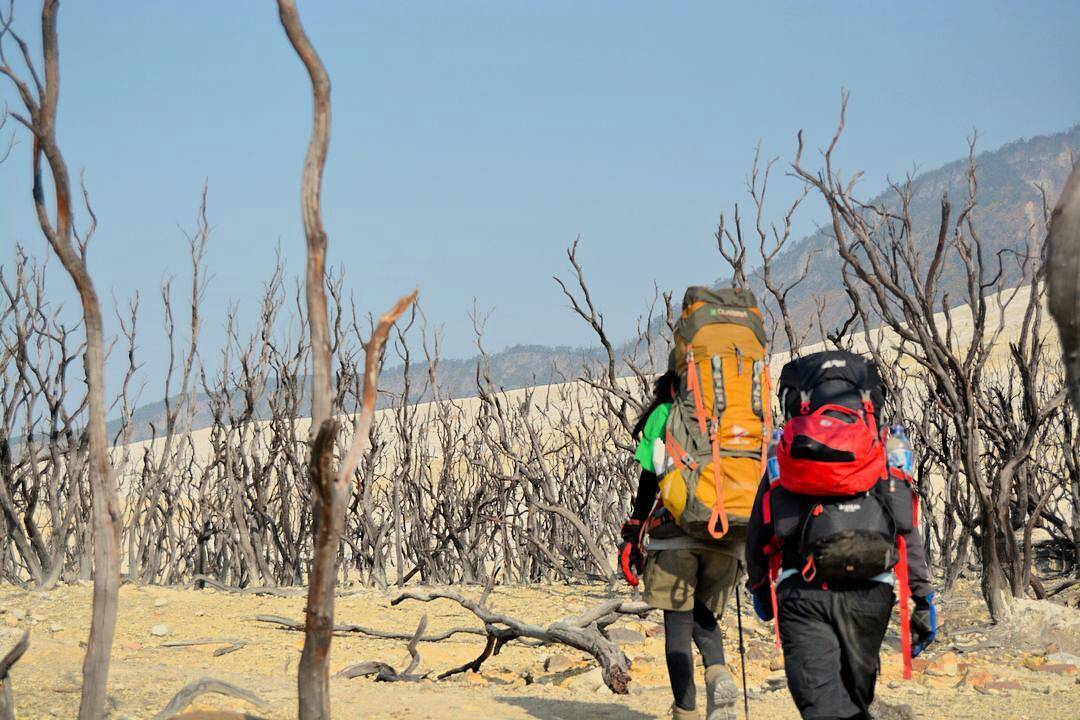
(772, 462)
(898, 450)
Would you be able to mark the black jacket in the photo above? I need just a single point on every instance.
(759, 535)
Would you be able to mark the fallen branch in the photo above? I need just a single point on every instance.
(270, 590)
(386, 673)
(231, 644)
(582, 633)
(200, 687)
(298, 626)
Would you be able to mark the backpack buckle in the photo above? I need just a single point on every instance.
(867, 402)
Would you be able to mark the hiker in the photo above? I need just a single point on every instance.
(833, 533)
(686, 533)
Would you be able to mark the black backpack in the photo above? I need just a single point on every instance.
(838, 536)
(831, 377)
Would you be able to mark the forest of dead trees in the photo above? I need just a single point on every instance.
(518, 486)
(529, 483)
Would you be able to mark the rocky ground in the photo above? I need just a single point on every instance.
(1024, 669)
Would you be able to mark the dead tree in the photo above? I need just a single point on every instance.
(332, 490)
(39, 98)
(772, 241)
(879, 246)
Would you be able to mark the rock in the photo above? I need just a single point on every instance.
(1058, 668)
(1039, 619)
(11, 622)
(939, 682)
(587, 681)
(776, 680)
(1062, 658)
(161, 602)
(881, 710)
(55, 627)
(131, 646)
(200, 613)
(947, 664)
(474, 678)
(557, 663)
(975, 678)
(18, 614)
(159, 630)
(625, 636)
(1033, 662)
(777, 662)
(654, 630)
(1000, 686)
(503, 676)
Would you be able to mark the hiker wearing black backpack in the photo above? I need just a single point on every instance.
(701, 450)
(833, 535)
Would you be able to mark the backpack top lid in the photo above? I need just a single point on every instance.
(703, 306)
(831, 377)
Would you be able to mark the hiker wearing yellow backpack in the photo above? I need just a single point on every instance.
(833, 533)
(701, 452)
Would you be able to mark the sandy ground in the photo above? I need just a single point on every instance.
(514, 684)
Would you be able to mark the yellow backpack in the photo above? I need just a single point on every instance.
(718, 428)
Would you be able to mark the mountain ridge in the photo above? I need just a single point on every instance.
(1009, 206)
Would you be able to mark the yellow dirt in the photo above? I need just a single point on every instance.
(145, 675)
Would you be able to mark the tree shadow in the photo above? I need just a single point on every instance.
(551, 709)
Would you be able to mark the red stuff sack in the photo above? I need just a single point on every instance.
(832, 451)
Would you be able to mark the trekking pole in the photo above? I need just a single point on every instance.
(742, 646)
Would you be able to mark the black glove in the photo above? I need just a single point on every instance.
(762, 602)
(923, 623)
(631, 560)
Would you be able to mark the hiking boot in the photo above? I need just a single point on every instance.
(677, 713)
(721, 693)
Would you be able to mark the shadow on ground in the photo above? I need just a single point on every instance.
(549, 709)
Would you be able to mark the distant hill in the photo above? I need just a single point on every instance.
(1009, 203)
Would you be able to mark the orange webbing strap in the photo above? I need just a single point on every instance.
(678, 455)
(905, 598)
(766, 410)
(694, 381)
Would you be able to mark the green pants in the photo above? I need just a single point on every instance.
(675, 577)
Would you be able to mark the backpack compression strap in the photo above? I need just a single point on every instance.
(719, 514)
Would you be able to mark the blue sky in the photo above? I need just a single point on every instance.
(473, 141)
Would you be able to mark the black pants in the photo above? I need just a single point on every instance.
(831, 641)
